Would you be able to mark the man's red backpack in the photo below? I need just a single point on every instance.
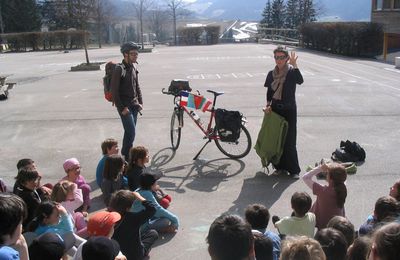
(109, 68)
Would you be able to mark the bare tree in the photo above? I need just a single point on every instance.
(103, 14)
(158, 16)
(175, 6)
(141, 7)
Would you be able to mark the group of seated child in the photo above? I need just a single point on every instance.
(51, 221)
(314, 231)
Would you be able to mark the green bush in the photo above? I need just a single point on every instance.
(345, 38)
(45, 40)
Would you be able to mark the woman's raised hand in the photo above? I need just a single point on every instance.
(293, 59)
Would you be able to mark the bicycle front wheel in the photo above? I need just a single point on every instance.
(175, 128)
(238, 149)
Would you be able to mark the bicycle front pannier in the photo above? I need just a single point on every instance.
(228, 124)
(178, 85)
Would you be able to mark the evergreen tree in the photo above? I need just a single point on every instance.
(267, 15)
(307, 12)
(278, 13)
(292, 14)
(20, 16)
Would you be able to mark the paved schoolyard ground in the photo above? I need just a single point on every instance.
(53, 114)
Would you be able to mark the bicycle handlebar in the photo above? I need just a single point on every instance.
(166, 92)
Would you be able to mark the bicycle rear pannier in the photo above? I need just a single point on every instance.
(178, 85)
(228, 124)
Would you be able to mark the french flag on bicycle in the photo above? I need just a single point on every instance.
(184, 98)
(194, 101)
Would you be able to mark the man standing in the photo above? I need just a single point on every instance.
(126, 93)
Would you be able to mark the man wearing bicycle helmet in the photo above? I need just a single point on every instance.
(126, 93)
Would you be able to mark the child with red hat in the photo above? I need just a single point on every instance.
(101, 224)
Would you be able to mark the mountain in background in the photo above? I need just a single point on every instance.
(333, 10)
(251, 10)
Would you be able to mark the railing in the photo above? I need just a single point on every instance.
(279, 35)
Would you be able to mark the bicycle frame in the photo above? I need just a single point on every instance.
(207, 131)
(234, 149)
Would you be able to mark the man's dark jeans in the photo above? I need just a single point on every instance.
(129, 123)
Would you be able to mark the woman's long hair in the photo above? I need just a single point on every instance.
(113, 166)
(337, 174)
(44, 210)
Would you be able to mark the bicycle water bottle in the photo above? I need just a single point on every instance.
(195, 117)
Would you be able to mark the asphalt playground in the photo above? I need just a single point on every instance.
(53, 114)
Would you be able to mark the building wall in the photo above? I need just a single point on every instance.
(389, 18)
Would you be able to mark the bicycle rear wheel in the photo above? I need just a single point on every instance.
(238, 149)
(175, 128)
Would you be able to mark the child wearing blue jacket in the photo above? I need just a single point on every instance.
(163, 221)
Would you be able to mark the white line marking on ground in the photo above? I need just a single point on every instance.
(394, 70)
(348, 74)
(66, 96)
(248, 74)
(16, 133)
(306, 72)
(335, 80)
(218, 76)
(234, 75)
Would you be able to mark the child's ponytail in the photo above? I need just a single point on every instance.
(338, 175)
(44, 210)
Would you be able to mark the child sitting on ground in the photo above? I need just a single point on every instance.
(387, 209)
(257, 216)
(138, 157)
(330, 198)
(70, 197)
(333, 243)
(135, 244)
(12, 213)
(26, 186)
(163, 221)
(101, 224)
(72, 168)
(53, 217)
(112, 176)
(108, 147)
(302, 222)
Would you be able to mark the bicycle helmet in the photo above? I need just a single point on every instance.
(128, 46)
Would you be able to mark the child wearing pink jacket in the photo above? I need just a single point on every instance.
(73, 169)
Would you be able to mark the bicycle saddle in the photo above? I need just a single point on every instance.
(216, 93)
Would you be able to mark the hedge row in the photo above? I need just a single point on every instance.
(346, 38)
(44, 40)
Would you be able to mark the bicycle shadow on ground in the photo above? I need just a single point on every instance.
(262, 189)
(201, 175)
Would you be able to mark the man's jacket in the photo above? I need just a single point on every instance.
(271, 139)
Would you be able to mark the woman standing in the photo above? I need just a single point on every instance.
(281, 98)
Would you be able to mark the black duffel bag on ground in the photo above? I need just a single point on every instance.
(228, 124)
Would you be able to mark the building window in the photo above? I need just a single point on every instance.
(396, 4)
(378, 5)
(387, 4)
